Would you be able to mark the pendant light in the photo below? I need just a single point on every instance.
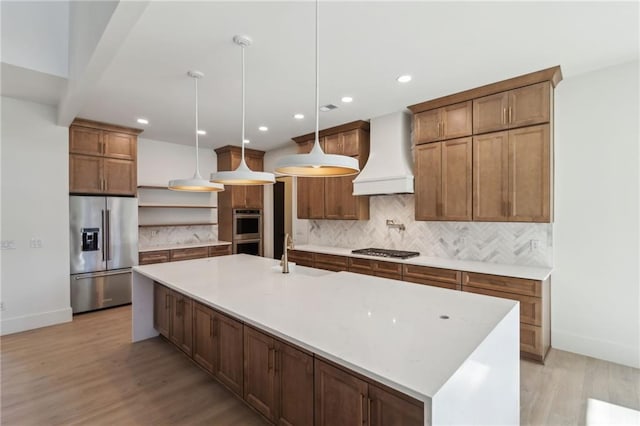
(195, 183)
(243, 175)
(317, 163)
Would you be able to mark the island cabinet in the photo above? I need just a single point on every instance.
(278, 379)
(534, 298)
(445, 278)
(180, 327)
(443, 180)
(332, 197)
(102, 158)
(377, 268)
(161, 309)
(342, 398)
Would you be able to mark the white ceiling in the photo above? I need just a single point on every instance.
(446, 47)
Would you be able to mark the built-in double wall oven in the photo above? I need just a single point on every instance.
(247, 231)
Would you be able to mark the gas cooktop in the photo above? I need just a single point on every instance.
(397, 254)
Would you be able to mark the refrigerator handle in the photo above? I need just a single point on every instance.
(103, 236)
(108, 234)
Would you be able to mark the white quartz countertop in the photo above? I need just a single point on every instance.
(183, 246)
(516, 271)
(387, 330)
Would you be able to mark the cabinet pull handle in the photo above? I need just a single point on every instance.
(211, 326)
(369, 411)
(444, 124)
(362, 409)
(509, 115)
(504, 116)
(276, 361)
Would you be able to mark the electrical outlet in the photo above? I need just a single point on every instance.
(534, 245)
(8, 245)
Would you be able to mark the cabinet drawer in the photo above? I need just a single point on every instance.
(189, 253)
(302, 258)
(361, 266)
(387, 269)
(331, 262)
(530, 307)
(506, 284)
(418, 274)
(219, 250)
(433, 283)
(160, 256)
(531, 342)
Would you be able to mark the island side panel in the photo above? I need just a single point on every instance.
(141, 308)
(486, 388)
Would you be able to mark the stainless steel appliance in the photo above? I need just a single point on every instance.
(247, 231)
(397, 254)
(103, 236)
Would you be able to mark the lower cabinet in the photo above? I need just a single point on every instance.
(161, 309)
(180, 328)
(331, 262)
(278, 379)
(342, 398)
(445, 278)
(203, 350)
(378, 268)
(161, 256)
(228, 352)
(302, 258)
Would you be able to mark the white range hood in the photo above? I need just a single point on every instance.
(389, 168)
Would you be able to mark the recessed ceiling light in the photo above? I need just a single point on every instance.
(404, 78)
(247, 141)
(263, 128)
(143, 121)
(202, 132)
(347, 99)
(298, 116)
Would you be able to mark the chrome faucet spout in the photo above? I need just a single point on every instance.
(286, 246)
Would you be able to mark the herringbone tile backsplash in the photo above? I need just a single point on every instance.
(508, 243)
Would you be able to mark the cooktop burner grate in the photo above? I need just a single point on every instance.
(397, 254)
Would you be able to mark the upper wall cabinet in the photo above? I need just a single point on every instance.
(514, 108)
(102, 158)
(332, 197)
(512, 157)
(449, 122)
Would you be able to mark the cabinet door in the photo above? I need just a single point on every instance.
(119, 177)
(259, 372)
(428, 181)
(390, 409)
(180, 330)
(312, 190)
(149, 257)
(456, 179)
(490, 113)
(490, 176)
(203, 336)
(85, 174)
(294, 386)
(333, 145)
(161, 309)
(340, 398)
(334, 188)
(228, 342)
(456, 120)
(350, 143)
(189, 253)
(529, 174)
(426, 126)
(254, 193)
(83, 140)
(530, 105)
(119, 145)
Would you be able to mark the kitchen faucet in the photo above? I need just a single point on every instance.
(286, 246)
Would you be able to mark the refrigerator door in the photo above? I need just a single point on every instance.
(100, 290)
(86, 234)
(122, 230)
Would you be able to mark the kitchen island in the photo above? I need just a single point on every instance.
(457, 353)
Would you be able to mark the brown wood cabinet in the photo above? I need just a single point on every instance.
(449, 122)
(331, 262)
(332, 197)
(161, 309)
(161, 256)
(228, 352)
(189, 253)
(445, 278)
(278, 379)
(220, 250)
(343, 398)
(443, 178)
(180, 328)
(512, 175)
(520, 107)
(377, 268)
(203, 349)
(302, 258)
(534, 298)
(102, 158)
(149, 257)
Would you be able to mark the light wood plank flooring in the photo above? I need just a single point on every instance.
(87, 372)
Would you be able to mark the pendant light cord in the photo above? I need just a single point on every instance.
(243, 106)
(317, 72)
(197, 146)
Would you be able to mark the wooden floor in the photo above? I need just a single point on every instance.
(87, 372)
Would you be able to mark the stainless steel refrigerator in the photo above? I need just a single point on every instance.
(104, 247)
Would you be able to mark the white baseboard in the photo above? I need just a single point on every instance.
(29, 322)
(601, 349)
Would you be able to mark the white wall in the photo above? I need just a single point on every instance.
(596, 282)
(35, 193)
(35, 35)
